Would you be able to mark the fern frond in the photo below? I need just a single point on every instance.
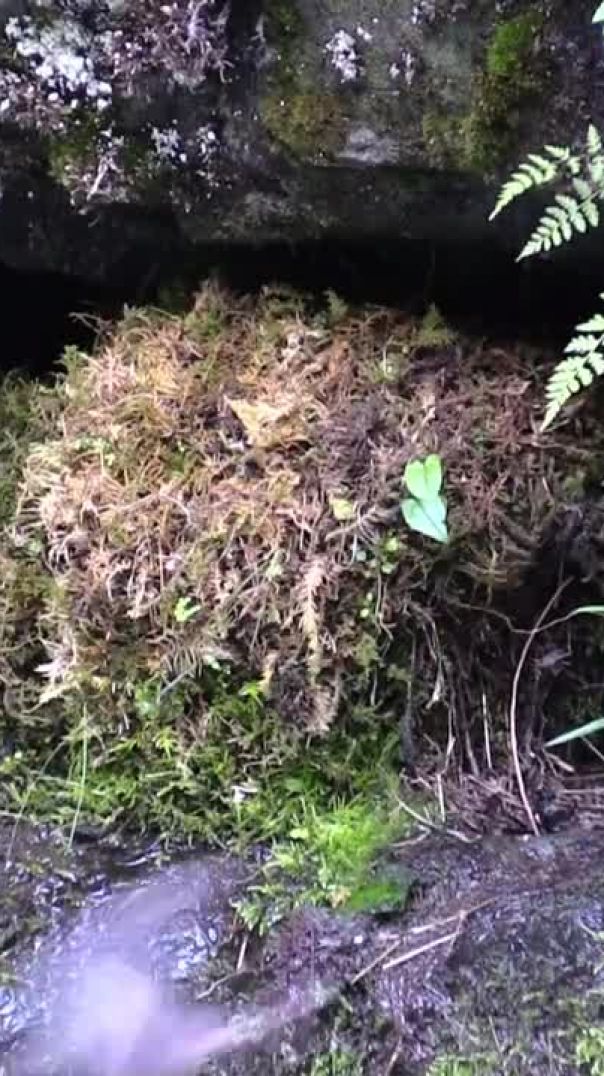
(594, 141)
(584, 362)
(595, 160)
(561, 220)
(538, 170)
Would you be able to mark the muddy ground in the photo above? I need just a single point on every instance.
(495, 965)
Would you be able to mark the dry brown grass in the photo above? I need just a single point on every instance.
(185, 500)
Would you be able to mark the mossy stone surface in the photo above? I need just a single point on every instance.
(416, 71)
(511, 81)
(315, 117)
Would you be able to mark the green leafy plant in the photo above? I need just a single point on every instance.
(425, 510)
(327, 858)
(574, 211)
(461, 1066)
(185, 609)
(336, 1062)
(432, 331)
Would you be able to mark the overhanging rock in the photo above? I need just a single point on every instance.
(137, 130)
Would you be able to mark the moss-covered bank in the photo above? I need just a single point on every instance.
(214, 619)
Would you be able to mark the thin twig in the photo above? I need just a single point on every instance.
(462, 918)
(427, 822)
(398, 1049)
(487, 737)
(521, 631)
(375, 962)
(514, 703)
(425, 927)
(592, 747)
(406, 722)
(441, 797)
(420, 950)
(216, 984)
(423, 821)
(242, 952)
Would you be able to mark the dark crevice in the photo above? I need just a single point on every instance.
(477, 290)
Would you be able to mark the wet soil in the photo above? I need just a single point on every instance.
(499, 954)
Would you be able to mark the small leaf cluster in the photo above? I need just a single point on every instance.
(425, 510)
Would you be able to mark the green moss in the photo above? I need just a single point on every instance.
(511, 46)
(307, 122)
(284, 24)
(327, 859)
(22, 403)
(378, 895)
(206, 326)
(337, 1062)
(443, 136)
(285, 30)
(510, 79)
(484, 137)
(73, 156)
(589, 1051)
(75, 150)
(459, 1066)
(246, 777)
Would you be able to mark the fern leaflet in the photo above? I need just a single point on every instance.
(562, 220)
(584, 362)
(538, 170)
(595, 158)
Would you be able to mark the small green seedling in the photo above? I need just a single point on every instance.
(342, 508)
(425, 510)
(185, 610)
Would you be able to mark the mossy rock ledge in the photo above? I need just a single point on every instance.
(135, 130)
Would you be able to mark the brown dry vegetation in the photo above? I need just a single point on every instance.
(222, 491)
